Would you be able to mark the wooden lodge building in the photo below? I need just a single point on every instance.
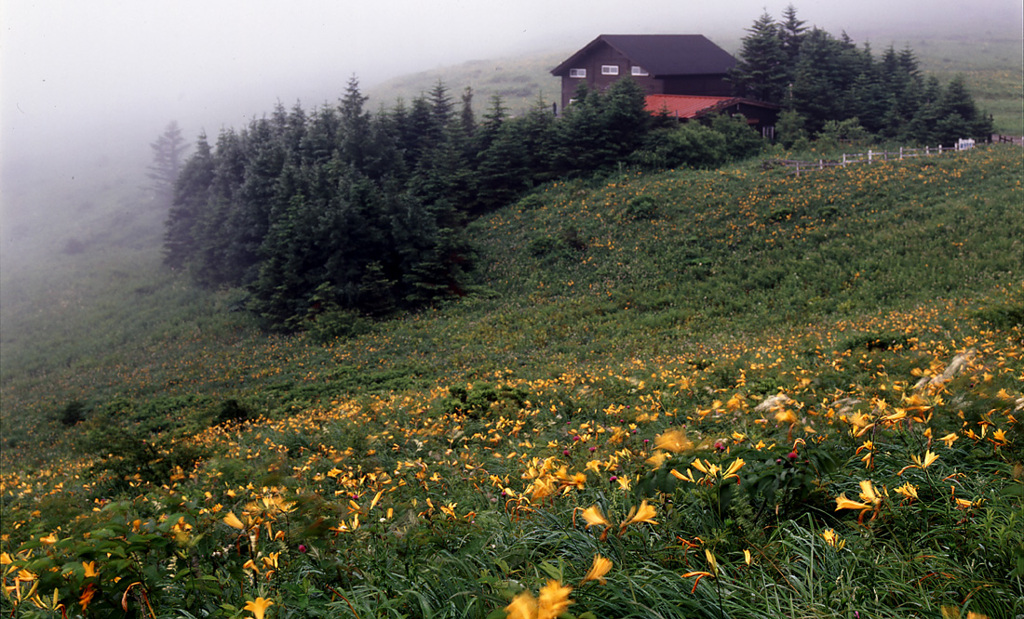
(684, 75)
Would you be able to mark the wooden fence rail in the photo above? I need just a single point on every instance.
(795, 166)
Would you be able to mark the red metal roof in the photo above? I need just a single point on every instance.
(686, 106)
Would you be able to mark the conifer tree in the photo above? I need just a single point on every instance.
(191, 193)
(537, 131)
(502, 168)
(168, 150)
(213, 236)
(467, 117)
(762, 70)
(791, 32)
(354, 141)
(625, 118)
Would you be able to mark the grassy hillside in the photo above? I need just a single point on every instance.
(670, 371)
(520, 82)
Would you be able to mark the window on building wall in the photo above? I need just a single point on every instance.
(609, 69)
(639, 71)
(577, 72)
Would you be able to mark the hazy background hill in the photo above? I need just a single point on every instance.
(990, 57)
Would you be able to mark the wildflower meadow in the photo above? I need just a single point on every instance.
(719, 393)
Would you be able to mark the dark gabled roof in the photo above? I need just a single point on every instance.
(663, 54)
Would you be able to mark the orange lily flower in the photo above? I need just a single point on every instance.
(600, 567)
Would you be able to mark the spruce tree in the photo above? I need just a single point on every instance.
(466, 117)
(791, 31)
(168, 150)
(762, 69)
(625, 117)
(191, 194)
(502, 169)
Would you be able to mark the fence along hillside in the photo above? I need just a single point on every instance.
(797, 166)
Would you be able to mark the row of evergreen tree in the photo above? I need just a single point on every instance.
(818, 78)
(339, 208)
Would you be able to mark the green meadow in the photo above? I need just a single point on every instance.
(673, 372)
(690, 393)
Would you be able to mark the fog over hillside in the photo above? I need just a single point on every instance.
(85, 86)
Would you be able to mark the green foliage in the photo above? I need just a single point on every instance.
(231, 410)
(1002, 315)
(876, 341)
(642, 207)
(655, 322)
(73, 413)
(690, 145)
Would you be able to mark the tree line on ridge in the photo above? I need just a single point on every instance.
(337, 209)
(827, 86)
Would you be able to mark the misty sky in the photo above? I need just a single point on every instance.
(88, 62)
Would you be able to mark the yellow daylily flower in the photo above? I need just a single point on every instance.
(832, 539)
(871, 500)
(49, 604)
(699, 575)
(867, 492)
(600, 567)
(952, 612)
(90, 569)
(594, 517)
(376, 498)
(712, 562)
(844, 503)
(922, 462)
(927, 460)
(688, 477)
(657, 459)
(907, 490)
(736, 465)
(232, 521)
(522, 606)
(258, 606)
(673, 440)
(785, 416)
(700, 466)
(553, 600)
(642, 513)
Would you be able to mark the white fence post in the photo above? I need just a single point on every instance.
(872, 156)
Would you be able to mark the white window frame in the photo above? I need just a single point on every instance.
(609, 69)
(639, 71)
(578, 73)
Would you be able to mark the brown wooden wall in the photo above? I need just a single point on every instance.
(604, 54)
